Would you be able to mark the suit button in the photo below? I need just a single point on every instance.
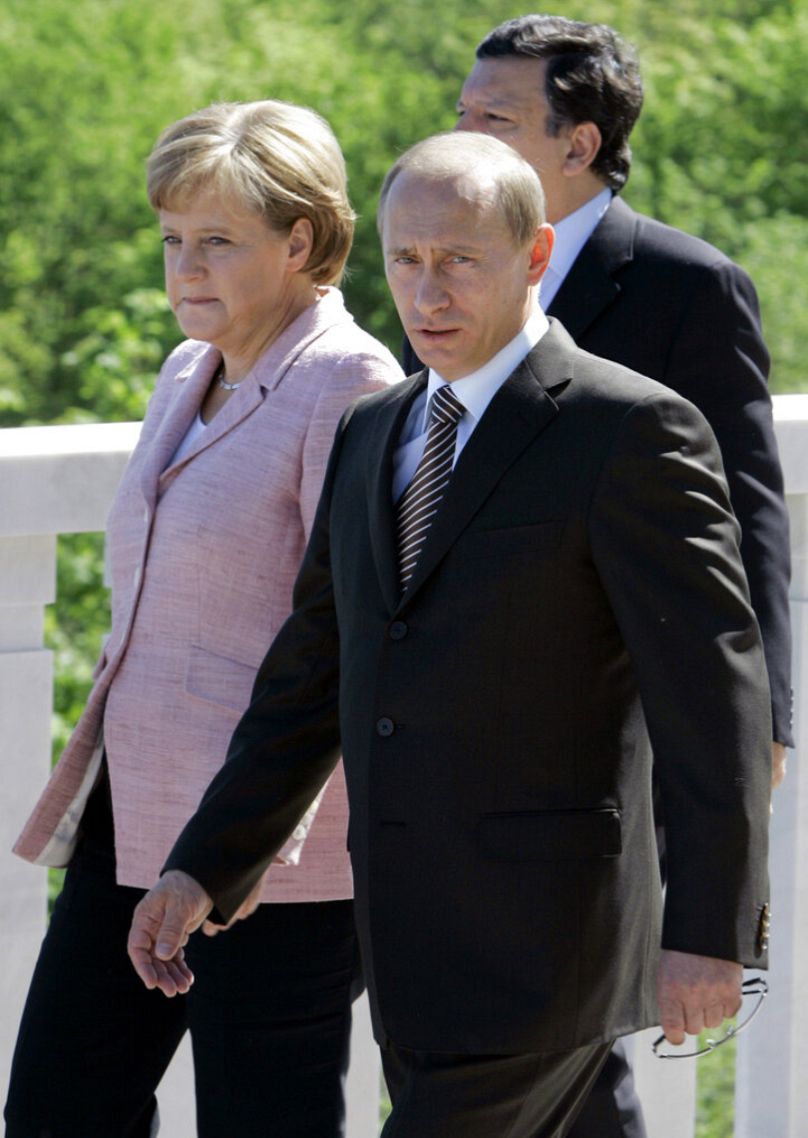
(398, 630)
(385, 727)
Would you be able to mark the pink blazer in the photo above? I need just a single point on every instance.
(203, 555)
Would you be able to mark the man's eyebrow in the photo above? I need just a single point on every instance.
(489, 100)
(443, 250)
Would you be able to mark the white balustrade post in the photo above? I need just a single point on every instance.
(27, 584)
(667, 1091)
(52, 480)
(364, 1074)
(771, 1096)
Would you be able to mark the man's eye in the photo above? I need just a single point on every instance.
(170, 239)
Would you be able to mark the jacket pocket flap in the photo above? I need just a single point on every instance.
(550, 835)
(219, 679)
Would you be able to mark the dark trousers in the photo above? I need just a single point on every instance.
(437, 1095)
(269, 1016)
(612, 1108)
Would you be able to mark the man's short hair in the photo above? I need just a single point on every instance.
(455, 156)
(592, 75)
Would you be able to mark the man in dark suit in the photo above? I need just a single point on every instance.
(495, 674)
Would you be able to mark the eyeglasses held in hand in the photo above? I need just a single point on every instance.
(756, 989)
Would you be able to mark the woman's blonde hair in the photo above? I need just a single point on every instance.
(271, 158)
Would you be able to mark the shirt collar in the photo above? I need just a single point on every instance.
(574, 230)
(476, 391)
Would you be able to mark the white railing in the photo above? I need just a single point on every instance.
(56, 480)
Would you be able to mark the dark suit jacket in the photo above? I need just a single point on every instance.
(581, 578)
(676, 309)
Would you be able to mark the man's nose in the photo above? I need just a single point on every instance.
(431, 294)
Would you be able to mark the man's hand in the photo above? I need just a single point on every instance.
(694, 992)
(245, 909)
(779, 753)
(161, 924)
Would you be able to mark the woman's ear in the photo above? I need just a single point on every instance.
(301, 240)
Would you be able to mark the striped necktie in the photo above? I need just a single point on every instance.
(419, 502)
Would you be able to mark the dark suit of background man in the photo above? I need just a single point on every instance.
(578, 597)
(566, 95)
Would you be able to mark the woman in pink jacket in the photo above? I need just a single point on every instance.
(204, 538)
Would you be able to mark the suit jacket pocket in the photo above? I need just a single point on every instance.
(550, 835)
(219, 679)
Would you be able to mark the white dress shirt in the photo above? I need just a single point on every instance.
(475, 392)
(571, 234)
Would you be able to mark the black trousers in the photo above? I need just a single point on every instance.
(269, 1016)
(437, 1095)
(612, 1108)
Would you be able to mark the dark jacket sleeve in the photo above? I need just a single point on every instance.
(665, 545)
(721, 364)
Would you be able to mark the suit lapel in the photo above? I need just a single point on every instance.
(235, 410)
(520, 411)
(381, 511)
(269, 372)
(192, 383)
(591, 285)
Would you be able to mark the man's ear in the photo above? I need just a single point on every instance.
(540, 253)
(584, 143)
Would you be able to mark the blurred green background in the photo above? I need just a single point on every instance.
(86, 85)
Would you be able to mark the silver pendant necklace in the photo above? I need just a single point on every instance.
(222, 384)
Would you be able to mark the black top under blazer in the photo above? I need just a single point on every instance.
(674, 308)
(580, 598)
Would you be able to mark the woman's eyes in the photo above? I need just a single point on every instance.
(214, 240)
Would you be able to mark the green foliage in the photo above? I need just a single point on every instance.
(75, 634)
(715, 1092)
(56, 879)
(86, 86)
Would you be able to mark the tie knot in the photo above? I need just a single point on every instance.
(446, 407)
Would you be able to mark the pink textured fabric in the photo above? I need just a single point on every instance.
(203, 556)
